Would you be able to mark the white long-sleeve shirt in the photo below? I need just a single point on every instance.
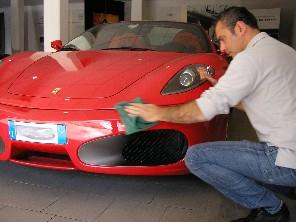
(263, 78)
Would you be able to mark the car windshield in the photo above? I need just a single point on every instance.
(142, 36)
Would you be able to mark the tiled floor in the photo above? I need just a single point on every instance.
(39, 195)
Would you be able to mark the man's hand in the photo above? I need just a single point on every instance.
(204, 75)
(148, 112)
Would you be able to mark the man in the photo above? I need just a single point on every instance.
(262, 78)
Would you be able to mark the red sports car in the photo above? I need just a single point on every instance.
(57, 110)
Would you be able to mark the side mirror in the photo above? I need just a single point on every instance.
(57, 45)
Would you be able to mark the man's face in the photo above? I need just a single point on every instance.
(230, 42)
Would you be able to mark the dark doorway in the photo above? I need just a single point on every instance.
(102, 11)
(2, 33)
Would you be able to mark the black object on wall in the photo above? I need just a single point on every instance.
(107, 7)
(194, 17)
(2, 33)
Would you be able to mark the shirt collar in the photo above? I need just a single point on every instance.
(256, 39)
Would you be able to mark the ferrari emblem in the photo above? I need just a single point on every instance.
(56, 91)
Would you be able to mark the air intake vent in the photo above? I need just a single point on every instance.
(151, 148)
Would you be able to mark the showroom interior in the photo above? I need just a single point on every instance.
(48, 194)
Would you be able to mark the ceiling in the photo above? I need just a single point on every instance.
(247, 3)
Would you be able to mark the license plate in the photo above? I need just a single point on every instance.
(37, 132)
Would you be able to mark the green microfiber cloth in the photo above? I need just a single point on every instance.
(132, 124)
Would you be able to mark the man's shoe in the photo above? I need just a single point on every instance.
(261, 215)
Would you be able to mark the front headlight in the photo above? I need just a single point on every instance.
(187, 79)
(1, 61)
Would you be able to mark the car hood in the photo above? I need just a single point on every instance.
(87, 74)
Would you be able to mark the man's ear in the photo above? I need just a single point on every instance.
(240, 27)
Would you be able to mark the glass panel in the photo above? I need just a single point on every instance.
(158, 36)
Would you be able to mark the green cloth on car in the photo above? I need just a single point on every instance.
(132, 124)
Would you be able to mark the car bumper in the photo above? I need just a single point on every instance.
(96, 142)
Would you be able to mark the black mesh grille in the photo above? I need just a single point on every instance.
(157, 147)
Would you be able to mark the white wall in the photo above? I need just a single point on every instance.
(34, 29)
(173, 10)
(34, 22)
(152, 10)
(288, 7)
(165, 10)
(127, 11)
(76, 18)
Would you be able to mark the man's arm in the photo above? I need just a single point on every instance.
(184, 113)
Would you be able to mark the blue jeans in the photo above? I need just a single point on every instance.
(238, 169)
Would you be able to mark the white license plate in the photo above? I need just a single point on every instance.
(37, 132)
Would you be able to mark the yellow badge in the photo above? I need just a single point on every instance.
(56, 91)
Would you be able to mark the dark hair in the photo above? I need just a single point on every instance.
(232, 15)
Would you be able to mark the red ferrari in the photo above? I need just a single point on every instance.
(57, 110)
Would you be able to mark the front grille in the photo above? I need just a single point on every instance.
(156, 147)
(147, 148)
